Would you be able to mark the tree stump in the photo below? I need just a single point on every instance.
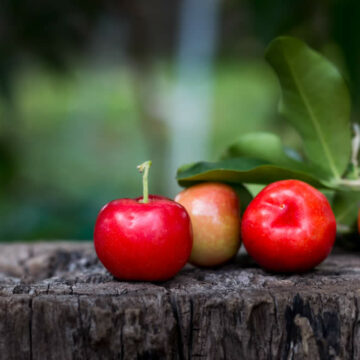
(58, 302)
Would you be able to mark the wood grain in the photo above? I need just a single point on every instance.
(58, 302)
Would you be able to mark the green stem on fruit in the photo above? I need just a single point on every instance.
(144, 169)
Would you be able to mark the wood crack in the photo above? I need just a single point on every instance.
(30, 329)
(235, 312)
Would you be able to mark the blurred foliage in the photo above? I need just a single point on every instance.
(77, 78)
(80, 138)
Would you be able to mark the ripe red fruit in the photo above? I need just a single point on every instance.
(215, 217)
(146, 238)
(289, 226)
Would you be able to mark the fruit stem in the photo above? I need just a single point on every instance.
(144, 169)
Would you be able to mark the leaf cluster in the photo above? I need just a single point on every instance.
(315, 99)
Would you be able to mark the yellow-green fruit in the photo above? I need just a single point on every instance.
(215, 217)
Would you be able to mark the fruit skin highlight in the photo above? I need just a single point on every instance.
(289, 227)
(215, 217)
(137, 241)
(148, 238)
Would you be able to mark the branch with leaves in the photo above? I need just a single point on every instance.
(316, 101)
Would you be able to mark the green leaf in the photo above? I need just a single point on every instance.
(244, 196)
(254, 189)
(315, 99)
(268, 147)
(346, 206)
(243, 170)
(259, 145)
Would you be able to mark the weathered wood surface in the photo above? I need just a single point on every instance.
(57, 302)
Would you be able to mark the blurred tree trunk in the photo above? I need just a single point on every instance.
(152, 121)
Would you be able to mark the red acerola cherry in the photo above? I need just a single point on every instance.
(146, 238)
(289, 227)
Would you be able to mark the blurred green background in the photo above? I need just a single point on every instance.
(89, 89)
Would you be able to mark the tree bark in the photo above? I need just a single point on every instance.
(58, 302)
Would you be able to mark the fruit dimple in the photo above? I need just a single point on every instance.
(288, 216)
(289, 226)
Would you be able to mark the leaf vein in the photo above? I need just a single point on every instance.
(313, 118)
